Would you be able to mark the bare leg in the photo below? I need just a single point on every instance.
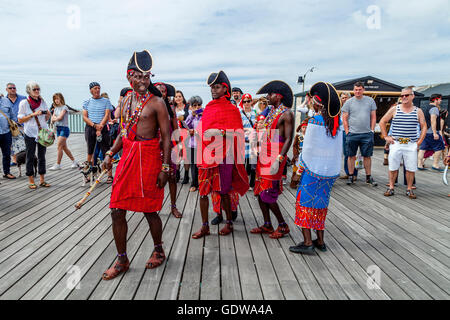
(225, 203)
(368, 165)
(173, 197)
(410, 179)
(276, 211)
(420, 160)
(67, 151)
(265, 210)
(61, 142)
(320, 234)
(436, 158)
(351, 165)
(392, 178)
(307, 237)
(155, 224)
(120, 230)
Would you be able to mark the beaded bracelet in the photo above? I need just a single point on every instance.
(280, 158)
(109, 153)
(165, 168)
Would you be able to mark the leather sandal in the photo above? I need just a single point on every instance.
(280, 232)
(262, 229)
(226, 230)
(204, 231)
(44, 184)
(411, 194)
(177, 214)
(389, 192)
(116, 270)
(32, 186)
(155, 260)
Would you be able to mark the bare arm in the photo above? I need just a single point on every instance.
(345, 121)
(433, 119)
(164, 124)
(373, 119)
(383, 122)
(86, 119)
(288, 132)
(423, 127)
(105, 119)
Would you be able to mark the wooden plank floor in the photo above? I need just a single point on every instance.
(44, 242)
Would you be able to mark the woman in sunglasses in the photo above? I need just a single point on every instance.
(34, 113)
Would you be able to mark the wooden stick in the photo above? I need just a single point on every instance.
(80, 203)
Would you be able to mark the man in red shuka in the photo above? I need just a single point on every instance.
(221, 170)
(140, 175)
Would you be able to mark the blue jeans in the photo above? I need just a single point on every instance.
(5, 145)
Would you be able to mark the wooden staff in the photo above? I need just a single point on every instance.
(80, 203)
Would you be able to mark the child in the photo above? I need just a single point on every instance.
(192, 122)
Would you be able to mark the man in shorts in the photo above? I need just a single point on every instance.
(359, 117)
(403, 139)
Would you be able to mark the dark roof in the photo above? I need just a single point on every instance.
(443, 88)
(370, 83)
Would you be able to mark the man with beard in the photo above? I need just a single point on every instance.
(275, 144)
(221, 170)
(140, 175)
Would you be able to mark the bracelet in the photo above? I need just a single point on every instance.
(280, 158)
(165, 168)
(109, 153)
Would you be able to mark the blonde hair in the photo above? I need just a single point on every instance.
(60, 97)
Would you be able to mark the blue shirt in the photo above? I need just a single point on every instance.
(7, 110)
(96, 108)
(15, 106)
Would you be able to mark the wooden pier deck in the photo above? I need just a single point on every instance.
(45, 243)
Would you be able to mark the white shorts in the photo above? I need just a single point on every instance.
(406, 152)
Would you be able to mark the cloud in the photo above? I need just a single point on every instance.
(252, 41)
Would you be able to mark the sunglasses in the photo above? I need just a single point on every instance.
(247, 101)
(37, 89)
(405, 95)
(12, 88)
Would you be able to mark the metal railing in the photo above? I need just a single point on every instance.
(76, 123)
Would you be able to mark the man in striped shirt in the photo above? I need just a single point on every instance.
(403, 139)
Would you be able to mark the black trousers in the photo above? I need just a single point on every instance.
(5, 145)
(194, 168)
(251, 171)
(31, 144)
(91, 139)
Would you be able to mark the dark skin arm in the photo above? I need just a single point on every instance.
(286, 127)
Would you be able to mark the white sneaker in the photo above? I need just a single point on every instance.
(74, 165)
(55, 167)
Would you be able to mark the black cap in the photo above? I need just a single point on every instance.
(220, 78)
(124, 91)
(279, 87)
(237, 89)
(93, 84)
(141, 61)
(326, 95)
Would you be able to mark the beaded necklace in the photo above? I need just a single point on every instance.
(130, 121)
(273, 114)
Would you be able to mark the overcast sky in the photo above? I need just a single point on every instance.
(64, 45)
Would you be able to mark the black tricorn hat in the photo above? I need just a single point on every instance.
(236, 89)
(124, 91)
(170, 89)
(141, 61)
(279, 87)
(220, 78)
(325, 94)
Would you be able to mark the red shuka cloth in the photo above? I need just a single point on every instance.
(271, 150)
(134, 186)
(222, 114)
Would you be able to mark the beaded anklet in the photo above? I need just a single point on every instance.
(122, 255)
(267, 223)
(206, 224)
(229, 221)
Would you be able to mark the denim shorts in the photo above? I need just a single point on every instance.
(362, 140)
(62, 131)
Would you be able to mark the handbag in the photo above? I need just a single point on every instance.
(13, 126)
(45, 137)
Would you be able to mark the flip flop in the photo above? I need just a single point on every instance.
(110, 180)
(44, 184)
(32, 186)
